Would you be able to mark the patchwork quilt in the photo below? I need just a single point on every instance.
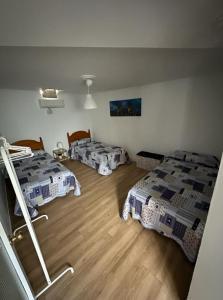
(174, 200)
(42, 179)
(104, 158)
(201, 159)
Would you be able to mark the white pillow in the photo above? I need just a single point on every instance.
(38, 152)
(74, 143)
(83, 141)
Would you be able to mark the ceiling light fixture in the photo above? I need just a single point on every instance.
(89, 100)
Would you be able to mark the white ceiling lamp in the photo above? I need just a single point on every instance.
(89, 100)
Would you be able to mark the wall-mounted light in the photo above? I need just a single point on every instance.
(89, 100)
(49, 99)
(49, 93)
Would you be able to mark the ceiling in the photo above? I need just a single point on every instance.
(112, 23)
(33, 67)
(51, 43)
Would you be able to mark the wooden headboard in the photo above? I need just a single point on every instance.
(33, 144)
(78, 135)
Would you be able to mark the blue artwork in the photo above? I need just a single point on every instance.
(130, 107)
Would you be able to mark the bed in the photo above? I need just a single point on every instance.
(42, 178)
(174, 199)
(100, 156)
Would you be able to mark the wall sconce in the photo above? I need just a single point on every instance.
(49, 99)
(49, 93)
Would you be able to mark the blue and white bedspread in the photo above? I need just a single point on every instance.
(42, 179)
(102, 157)
(174, 200)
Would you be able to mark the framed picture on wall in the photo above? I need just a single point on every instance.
(126, 108)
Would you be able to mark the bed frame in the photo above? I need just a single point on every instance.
(33, 144)
(78, 135)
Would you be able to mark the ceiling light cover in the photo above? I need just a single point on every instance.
(89, 102)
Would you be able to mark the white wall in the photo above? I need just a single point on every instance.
(21, 118)
(178, 114)
(208, 274)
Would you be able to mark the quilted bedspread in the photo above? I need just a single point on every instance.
(104, 158)
(42, 179)
(174, 200)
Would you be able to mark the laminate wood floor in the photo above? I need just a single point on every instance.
(113, 259)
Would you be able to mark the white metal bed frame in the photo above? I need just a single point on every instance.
(7, 158)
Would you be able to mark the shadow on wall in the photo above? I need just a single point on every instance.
(204, 106)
